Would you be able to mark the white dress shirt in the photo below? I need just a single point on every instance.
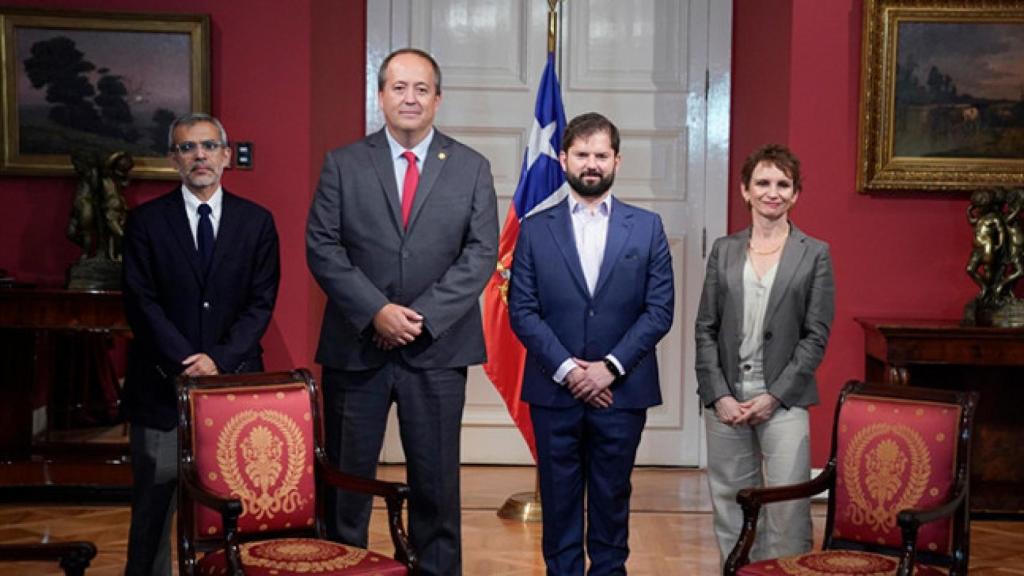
(590, 227)
(400, 164)
(192, 211)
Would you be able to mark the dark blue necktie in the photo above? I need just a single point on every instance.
(204, 237)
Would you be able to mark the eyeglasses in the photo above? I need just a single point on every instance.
(188, 148)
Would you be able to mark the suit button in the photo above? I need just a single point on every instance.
(405, 254)
(590, 313)
(206, 305)
(747, 367)
(767, 335)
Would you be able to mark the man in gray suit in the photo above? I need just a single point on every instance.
(402, 236)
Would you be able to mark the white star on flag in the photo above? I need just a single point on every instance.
(540, 142)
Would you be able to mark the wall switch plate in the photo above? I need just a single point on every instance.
(243, 155)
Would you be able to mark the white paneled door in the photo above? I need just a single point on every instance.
(659, 69)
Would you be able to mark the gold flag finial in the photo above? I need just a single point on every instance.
(552, 25)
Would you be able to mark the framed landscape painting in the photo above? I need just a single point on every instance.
(102, 81)
(942, 95)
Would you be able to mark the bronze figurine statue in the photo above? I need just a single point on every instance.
(1013, 267)
(115, 209)
(98, 213)
(82, 224)
(996, 262)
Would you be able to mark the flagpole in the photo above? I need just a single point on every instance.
(552, 26)
(526, 506)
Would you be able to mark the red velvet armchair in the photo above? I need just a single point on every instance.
(252, 480)
(898, 488)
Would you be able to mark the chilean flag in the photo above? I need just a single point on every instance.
(541, 184)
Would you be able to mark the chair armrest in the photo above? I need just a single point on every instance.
(229, 508)
(760, 496)
(751, 500)
(74, 556)
(911, 519)
(917, 516)
(361, 484)
(395, 494)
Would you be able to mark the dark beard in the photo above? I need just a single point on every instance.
(590, 190)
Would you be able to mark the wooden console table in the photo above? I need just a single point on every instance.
(32, 322)
(943, 354)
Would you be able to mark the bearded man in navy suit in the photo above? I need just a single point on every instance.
(591, 295)
(201, 271)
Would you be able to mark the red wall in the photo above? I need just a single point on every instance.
(287, 76)
(796, 70)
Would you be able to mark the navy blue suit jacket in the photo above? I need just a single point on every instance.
(175, 311)
(556, 318)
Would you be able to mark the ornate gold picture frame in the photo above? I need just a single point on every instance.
(98, 80)
(941, 95)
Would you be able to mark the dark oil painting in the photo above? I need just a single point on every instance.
(959, 90)
(101, 89)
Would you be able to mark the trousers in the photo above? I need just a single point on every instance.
(773, 453)
(154, 456)
(429, 404)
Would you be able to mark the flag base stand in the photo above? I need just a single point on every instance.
(523, 506)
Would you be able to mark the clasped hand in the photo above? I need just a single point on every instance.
(395, 325)
(752, 412)
(199, 365)
(589, 382)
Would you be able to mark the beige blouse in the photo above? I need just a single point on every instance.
(751, 353)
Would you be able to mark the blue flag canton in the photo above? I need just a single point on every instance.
(542, 174)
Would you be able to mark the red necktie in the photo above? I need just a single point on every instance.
(412, 179)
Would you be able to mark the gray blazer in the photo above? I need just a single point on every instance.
(362, 257)
(797, 321)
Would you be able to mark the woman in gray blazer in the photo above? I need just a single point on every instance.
(763, 322)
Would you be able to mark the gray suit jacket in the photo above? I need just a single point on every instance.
(362, 257)
(797, 322)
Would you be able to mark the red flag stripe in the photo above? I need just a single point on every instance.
(505, 354)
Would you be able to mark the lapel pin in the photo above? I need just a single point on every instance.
(441, 155)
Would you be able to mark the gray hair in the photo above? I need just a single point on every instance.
(192, 119)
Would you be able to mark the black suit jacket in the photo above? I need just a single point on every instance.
(175, 311)
(363, 258)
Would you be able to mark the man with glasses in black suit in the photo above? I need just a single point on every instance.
(201, 272)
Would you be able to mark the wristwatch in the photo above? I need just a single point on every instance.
(612, 368)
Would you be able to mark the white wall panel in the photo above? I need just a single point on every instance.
(628, 45)
(481, 42)
(650, 167)
(502, 146)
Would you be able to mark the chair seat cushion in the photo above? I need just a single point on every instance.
(302, 556)
(832, 562)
